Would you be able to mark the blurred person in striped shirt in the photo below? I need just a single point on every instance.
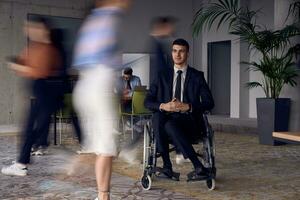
(97, 57)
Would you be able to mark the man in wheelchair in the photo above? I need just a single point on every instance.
(178, 97)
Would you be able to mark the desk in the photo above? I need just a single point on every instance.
(126, 104)
(290, 136)
(126, 98)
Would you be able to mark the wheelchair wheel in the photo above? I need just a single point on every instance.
(211, 184)
(146, 182)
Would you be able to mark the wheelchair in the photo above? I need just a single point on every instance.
(150, 170)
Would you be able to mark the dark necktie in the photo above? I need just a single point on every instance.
(178, 86)
(128, 85)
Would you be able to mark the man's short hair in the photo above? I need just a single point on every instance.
(182, 42)
(163, 20)
(127, 71)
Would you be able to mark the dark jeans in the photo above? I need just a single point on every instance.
(46, 94)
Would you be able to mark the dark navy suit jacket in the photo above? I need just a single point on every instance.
(195, 93)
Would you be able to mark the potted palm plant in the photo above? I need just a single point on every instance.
(277, 54)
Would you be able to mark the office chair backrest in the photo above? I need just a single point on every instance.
(138, 102)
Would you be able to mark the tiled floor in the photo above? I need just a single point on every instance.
(246, 170)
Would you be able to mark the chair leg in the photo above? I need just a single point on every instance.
(60, 135)
(60, 127)
(55, 129)
(123, 126)
(132, 127)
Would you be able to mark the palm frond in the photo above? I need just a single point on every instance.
(253, 84)
(206, 16)
(293, 51)
(294, 9)
(282, 38)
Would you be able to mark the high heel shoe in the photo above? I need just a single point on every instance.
(105, 193)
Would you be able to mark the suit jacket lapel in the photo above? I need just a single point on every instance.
(169, 80)
(187, 78)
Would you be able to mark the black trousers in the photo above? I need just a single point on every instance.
(46, 94)
(61, 86)
(43, 137)
(181, 130)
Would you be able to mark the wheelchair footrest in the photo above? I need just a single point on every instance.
(198, 175)
(199, 178)
(166, 173)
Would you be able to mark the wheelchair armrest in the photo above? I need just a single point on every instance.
(207, 112)
(205, 120)
(204, 116)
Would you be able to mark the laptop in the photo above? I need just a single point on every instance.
(140, 88)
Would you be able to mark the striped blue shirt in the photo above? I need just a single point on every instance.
(98, 39)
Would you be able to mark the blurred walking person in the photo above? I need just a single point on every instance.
(160, 43)
(97, 57)
(60, 78)
(39, 62)
(161, 38)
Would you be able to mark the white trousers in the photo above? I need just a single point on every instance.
(96, 105)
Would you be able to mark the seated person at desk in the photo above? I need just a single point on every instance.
(178, 97)
(127, 84)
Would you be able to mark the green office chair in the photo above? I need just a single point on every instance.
(137, 109)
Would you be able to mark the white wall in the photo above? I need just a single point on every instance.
(281, 8)
(274, 17)
(266, 18)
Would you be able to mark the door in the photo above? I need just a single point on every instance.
(219, 68)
